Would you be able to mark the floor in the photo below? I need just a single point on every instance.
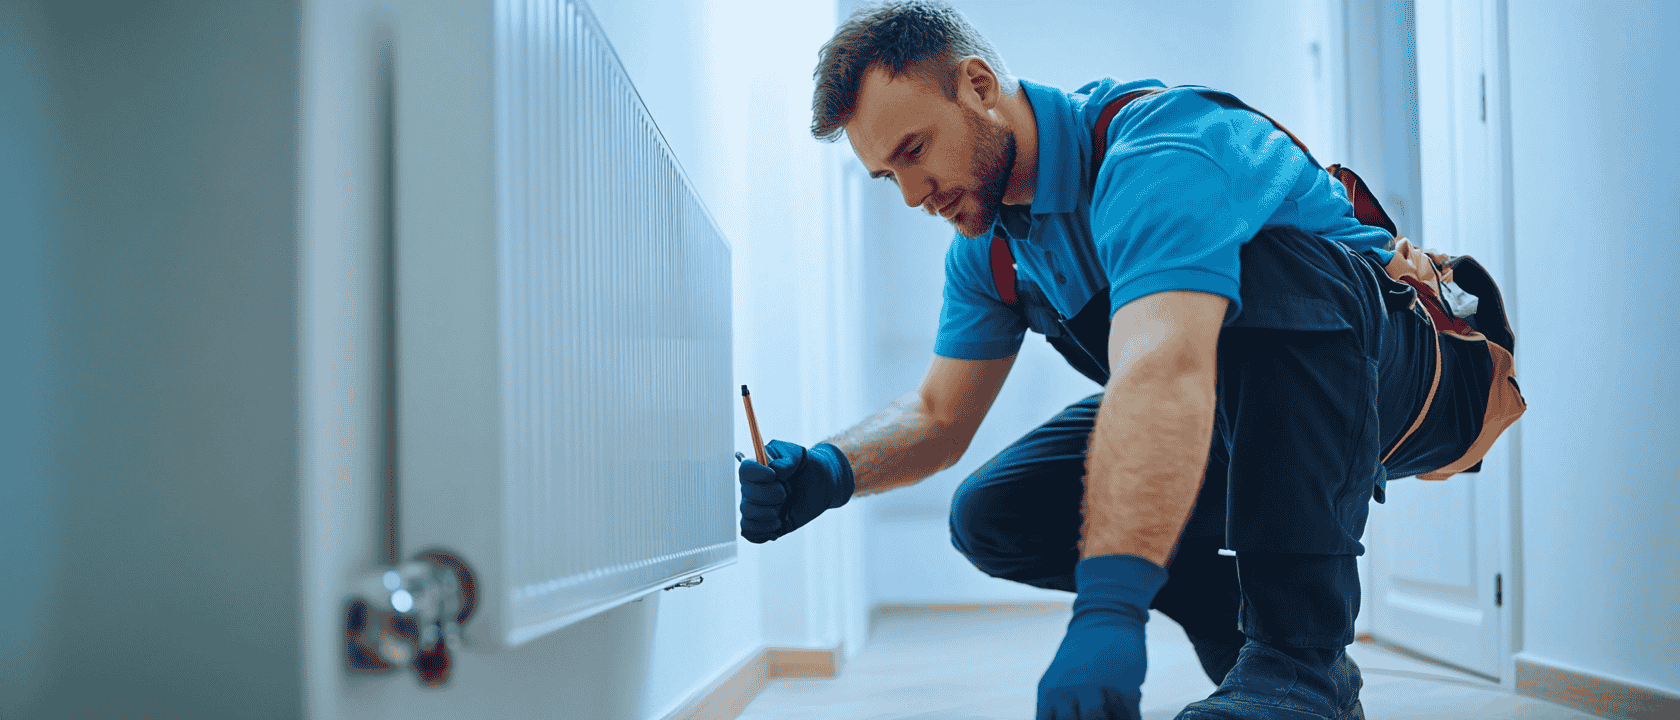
(984, 664)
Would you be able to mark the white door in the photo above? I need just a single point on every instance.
(1438, 582)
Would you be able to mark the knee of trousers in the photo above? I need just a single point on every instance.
(1017, 517)
(976, 538)
(997, 547)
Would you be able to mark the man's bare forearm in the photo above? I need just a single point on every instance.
(900, 445)
(1148, 451)
(1145, 463)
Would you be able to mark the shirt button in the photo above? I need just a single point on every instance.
(1061, 279)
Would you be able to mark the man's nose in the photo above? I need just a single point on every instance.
(917, 188)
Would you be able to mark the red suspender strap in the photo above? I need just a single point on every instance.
(1003, 269)
(1365, 207)
(1099, 134)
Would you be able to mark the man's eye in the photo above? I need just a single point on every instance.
(916, 152)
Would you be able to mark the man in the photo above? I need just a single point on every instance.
(1203, 269)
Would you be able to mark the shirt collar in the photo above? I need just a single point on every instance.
(1058, 150)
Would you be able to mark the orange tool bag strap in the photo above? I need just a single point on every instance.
(1425, 272)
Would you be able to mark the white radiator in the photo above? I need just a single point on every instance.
(564, 379)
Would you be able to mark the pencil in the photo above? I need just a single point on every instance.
(752, 424)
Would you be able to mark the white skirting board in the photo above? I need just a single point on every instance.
(1538, 677)
(729, 695)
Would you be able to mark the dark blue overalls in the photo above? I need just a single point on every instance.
(1319, 374)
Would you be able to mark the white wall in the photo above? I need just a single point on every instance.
(1260, 51)
(1596, 190)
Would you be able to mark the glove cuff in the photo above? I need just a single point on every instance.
(1126, 581)
(839, 468)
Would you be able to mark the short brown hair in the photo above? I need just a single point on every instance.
(924, 37)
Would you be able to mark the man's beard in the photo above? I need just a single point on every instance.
(993, 162)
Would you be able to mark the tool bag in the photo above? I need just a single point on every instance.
(1456, 294)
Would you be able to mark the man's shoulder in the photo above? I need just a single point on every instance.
(1108, 88)
(1182, 116)
(1090, 99)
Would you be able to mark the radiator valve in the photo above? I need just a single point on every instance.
(411, 614)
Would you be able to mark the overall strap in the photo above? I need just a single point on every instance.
(1099, 134)
(1003, 259)
(1003, 270)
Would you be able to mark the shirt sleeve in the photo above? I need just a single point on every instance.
(974, 324)
(1184, 183)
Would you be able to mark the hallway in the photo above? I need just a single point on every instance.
(295, 292)
(979, 663)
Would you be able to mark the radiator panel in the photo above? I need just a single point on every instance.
(614, 326)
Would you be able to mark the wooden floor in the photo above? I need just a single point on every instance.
(984, 664)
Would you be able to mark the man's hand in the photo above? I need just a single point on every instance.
(1098, 671)
(798, 486)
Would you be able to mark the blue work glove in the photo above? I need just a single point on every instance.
(797, 487)
(1098, 671)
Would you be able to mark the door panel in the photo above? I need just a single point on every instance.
(1432, 579)
(1444, 554)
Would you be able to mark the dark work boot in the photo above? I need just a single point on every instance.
(1297, 612)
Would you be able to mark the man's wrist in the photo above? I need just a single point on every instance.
(1118, 580)
(840, 467)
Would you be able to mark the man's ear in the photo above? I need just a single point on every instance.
(977, 84)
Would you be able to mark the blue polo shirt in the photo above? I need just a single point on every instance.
(1189, 175)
